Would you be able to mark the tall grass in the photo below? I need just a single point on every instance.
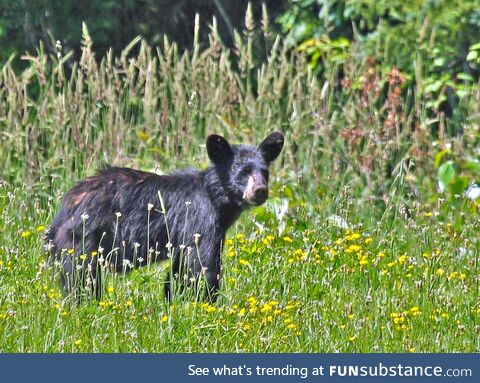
(354, 252)
(145, 106)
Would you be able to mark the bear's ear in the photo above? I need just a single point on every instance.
(272, 146)
(218, 149)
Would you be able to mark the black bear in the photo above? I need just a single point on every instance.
(123, 218)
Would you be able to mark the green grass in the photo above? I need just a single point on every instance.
(397, 284)
(402, 277)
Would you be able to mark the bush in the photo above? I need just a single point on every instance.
(427, 40)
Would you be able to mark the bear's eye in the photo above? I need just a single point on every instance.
(245, 171)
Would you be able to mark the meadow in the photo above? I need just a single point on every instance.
(356, 250)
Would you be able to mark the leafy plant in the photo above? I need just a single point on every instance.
(457, 176)
(426, 40)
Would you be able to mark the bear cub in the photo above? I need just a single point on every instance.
(123, 218)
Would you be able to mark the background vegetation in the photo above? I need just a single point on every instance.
(357, 250)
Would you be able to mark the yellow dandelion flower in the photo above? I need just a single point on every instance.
(402, 258)
(78, 342)
(299, 252)
(268, 239)
(439, 272)
(452, 275)
(353, 236)
(333, 252)
(266, 308)
(244, 262)
(164, 319)
(111, 290)
(143, 135)
(415, 311)
(397, 320)
(83, 256)
(428, 214)
(70, 251)
(287, 239)
(353, 249)
(25, 234)
(40, 228)
(368, 240)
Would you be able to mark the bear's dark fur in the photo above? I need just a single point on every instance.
(123, 218)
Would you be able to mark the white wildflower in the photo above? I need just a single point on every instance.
(473, 192)
(197, 238)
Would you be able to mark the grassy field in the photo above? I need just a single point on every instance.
(354, 252)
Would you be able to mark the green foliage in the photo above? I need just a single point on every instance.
(455, 175)
(474, 54)
(427, 40)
